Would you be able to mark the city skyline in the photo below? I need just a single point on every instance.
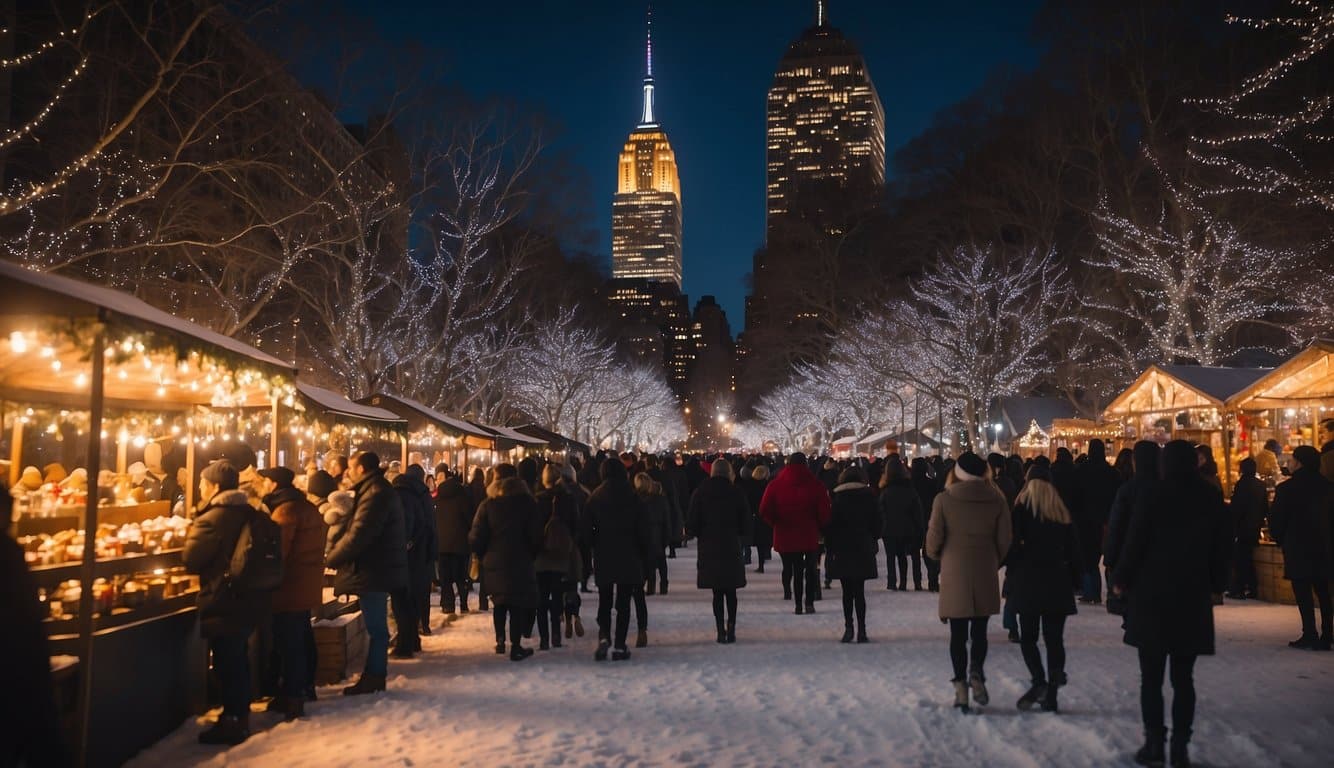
(714, 64)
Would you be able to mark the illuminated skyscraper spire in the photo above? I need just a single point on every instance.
(646, 118)
(821, 13)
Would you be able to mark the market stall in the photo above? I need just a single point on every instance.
(103, 390)
(331, 422)
(444, 439)
(510, 444)
(1185, 402)
(1075, 434)
(555, 442)
(909, 442)
(1287, 406)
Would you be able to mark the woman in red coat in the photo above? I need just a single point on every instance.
(796, 505)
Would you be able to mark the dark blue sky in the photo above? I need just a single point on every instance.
(582, 64)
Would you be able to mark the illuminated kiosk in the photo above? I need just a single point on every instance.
(114, 376)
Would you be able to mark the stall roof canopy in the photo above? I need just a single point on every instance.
(1167, 388)
(1307, 378)
(153, 359)
(553, 439)
(419, 415)
(507, 438)
(848, 441)
(75, 297)
(875, 442)
(331, 402)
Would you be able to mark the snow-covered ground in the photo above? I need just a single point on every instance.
(789, 694)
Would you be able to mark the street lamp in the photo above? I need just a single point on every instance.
(997, 427)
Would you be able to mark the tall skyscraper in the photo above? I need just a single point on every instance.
(646, 211)
(826, 130)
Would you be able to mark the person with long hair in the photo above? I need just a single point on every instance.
(1042, 571)
(854, 526)
(1174, 559)
(924, 483)
(507, 535)
(970, 535)
(557, 562)
(761, 534)
(902, 525)
(717, 518)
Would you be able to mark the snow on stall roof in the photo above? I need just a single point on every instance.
(512, 434)
(1216, 382)
(130, 307)
(423, 411)
(554, 439)
(332, 402)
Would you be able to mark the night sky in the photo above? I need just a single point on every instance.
(582, 63)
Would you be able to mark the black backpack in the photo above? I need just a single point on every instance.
(257, 560)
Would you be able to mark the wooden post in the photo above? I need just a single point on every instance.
(273, 432)
(190, 467)
(16, 450)
(88, 569)
(403, 451)
(1227, 457)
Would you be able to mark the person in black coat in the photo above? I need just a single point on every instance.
(507, 535)
(762, 535)
(1095, 484)
(423, 544)
(657, 506)
(1144, 472)
(617, 531)
(227, 616)
(558, 561)
(454, 510)
(854, 526)
(1063, 476)
(1175, 559)
(718, 518)
(30, 732)
(1250, 507)
(660, 471)
(1301, 523)
(926, 487)
(903, 526)
(1042, 569)
(371, 560)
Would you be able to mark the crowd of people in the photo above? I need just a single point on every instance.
(1151, 524)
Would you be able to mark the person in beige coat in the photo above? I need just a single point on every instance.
(969, 534)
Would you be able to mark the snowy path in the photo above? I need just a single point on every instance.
(788, 693)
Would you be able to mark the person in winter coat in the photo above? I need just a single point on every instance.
(1300, 521)
(718, 518)
(656, 505)
(507, 535)
(1174, 560)
(454, 510)
(926, 488)
(1327, 449)
(903, 526)
(371, 560)
(419, 520)
(761, 534)
(796, 505)
(1063, 477)
(617, 530)
(659, 471)
(580, 562)
(970, 535)
(302, 590)
(226, 616)
(1095, 484)
(1146, 456)
(30, 731)
(854, 526)
(559, 514)
(1042, 569)
(1250, 507)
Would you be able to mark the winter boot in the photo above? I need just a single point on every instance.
(519, 653)
(760, 567)
(1325, 643)
(979, 686)
(544, 645)
(642, 640)
(1049, 701)
(787, 594)
(731, 632)
(847, 633)
(722, 631)
(229, 730)
(961, 695)
(1152, 753)
(365, 684)
(601, 653)
(799, 609)
(500, 649)
(1179, 752)
(620, 654)
(810, 607)
(1035, 695)
(1305, 642)
(861, 634)
(578, 627)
